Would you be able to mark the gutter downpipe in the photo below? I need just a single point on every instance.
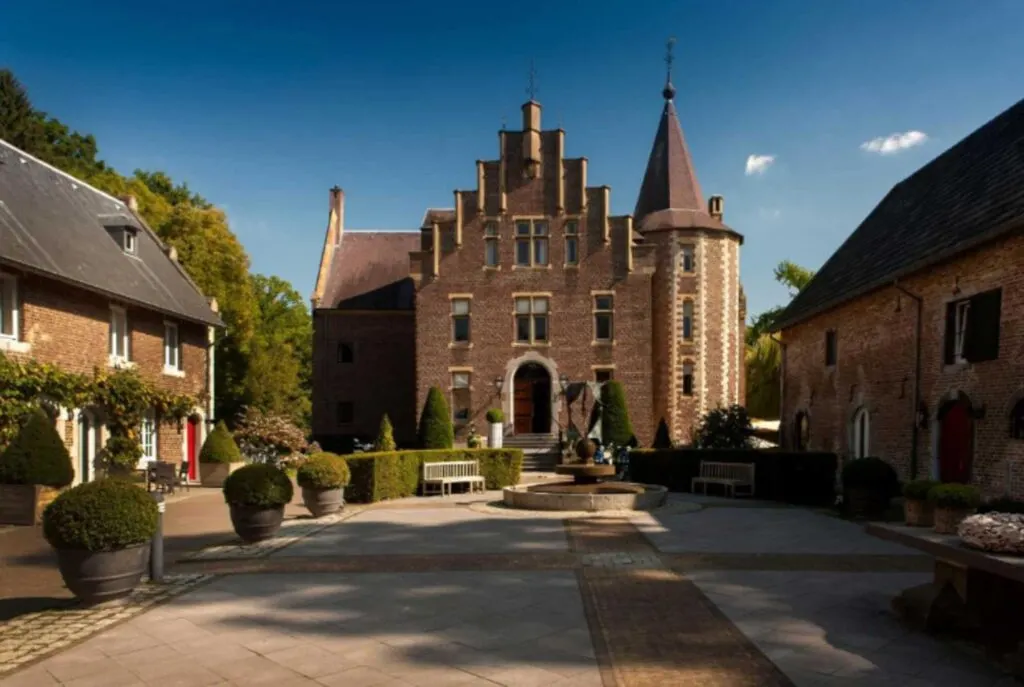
(917, 381)
(782, 387)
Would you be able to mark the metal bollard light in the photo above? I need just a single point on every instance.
(156, 549)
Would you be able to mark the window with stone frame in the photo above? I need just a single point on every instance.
(531, 243)
(460, 320)
(462, 399)
(344, 413)
(604, 317)
(861, 438)
(148, 436)
(491, 246)
(604, 374)
(831, 348)
(1017, 420)
(531, 319)
(172, 347)
(687, 379)
(688, 320)
(8, 306)
(346, 352)
(686, 258)
(120, 338)
(572, 242)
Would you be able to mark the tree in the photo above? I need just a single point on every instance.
(20, 125)
(436, 429)
(662, 439)
(725, 428)
(793, 276)
(385, 436)
(616, 428)
(37, 455)
(268, 437)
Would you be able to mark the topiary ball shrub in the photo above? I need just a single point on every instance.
(323, 471)
(872, 474)
(37, 455)
(259, 486)
(495, 415)
(105, 515)
(955, 496)
(220, 447)
(918, 489)
(436, 429)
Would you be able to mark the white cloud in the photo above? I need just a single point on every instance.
(757, 164)
(894, 143)
(769, 213)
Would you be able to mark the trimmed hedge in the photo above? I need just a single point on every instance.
(798, 477)
(397, 474)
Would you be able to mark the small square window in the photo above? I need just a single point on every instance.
(346, 352)
(460, 380)
(522, 228)
(345, 412)
(572, 228)
(603, 375)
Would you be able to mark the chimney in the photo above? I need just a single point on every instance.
(716, 206)
(172, 253)
(531, 139)
(337, 210)
(131, 202)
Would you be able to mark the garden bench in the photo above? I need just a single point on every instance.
(729, 475)
(443, 475)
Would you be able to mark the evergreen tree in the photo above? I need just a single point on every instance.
(662, 440)
(616, 427)
(436, 429)
(385, 436)
(37, 455)
(20, 124)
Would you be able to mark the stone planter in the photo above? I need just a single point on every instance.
(23, 504)
(918, 513)
(98, 576)
(948, 519)
(323, 501)
(495, 438)
(865, 503)
(253, 524)
(214, 474)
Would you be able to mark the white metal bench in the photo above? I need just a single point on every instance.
(729, 475)
(441, 476)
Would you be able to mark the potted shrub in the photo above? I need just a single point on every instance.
(917, 509)
(474, 440)
(868, 484)
(33, 469)
(256, 495)
(496, 427)
(323, 477)
(219, 457)
(953, 503)
(101, 532)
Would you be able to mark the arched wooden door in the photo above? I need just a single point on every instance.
(532, 399)
(956, 442)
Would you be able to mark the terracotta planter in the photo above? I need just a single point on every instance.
(865, 503)
(214, 474)
(323, 501)
(947, 519)
(918, 513)
(23, 504)
(253, 524)
(98, 576)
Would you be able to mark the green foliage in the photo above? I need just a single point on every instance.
(105, 515)
(220, 447)
(323, 471)
(764, 377)
(725, 428)
(495, 415)
(20, 125)
(268, 437)
(918, 489)
(662, 439)
(474, 440)
(616, 428)
(385, 436)
(120, 454)
(955, 496)
(1003, 504)
(258, 485)
(37, 455)
(397, 474)
(436, 429)
(871, 473)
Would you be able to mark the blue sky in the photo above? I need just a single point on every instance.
(262, 106)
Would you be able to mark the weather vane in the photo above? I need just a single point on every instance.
(668, 55)
(532, 89)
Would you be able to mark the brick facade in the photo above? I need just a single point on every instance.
(875, 370)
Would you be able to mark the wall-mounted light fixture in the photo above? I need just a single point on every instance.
(499, 382)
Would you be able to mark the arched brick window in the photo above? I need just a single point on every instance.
(861, 436)
(1017, 420)
(801, 431)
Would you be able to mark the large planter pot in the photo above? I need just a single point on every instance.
(253, 524)
(866, 503)
(214, 474)
(98, 576)
(496, 435)
(948, 519)
(918, 513)
(23, 504)
(323, 501)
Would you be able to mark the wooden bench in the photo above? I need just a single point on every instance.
(441, 476)
(730, 475)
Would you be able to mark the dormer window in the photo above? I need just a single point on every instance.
(129, 240)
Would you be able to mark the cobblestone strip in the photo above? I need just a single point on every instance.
(34, 636)
(291, 531)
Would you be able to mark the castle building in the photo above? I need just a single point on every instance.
(527, 286)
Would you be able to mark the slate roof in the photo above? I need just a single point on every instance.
(370, 271)
(970, 194)
(670, 181)
(53, 224)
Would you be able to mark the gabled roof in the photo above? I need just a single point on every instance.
(970, 194)
(54, 224)
(669, 182)
(370, 271)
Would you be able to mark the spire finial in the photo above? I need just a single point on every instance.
(669, 91)
(532, 89)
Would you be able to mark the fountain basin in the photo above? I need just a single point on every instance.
(586, 473)
(572, 496)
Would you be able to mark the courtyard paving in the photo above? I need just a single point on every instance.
(451, 591)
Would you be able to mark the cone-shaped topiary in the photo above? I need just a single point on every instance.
(661, 437)
(385, 436)
(220, 447)
(105, 515)
(615, 425)
(435, 422)
(37, 455)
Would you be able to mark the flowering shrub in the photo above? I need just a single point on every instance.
(268, 437)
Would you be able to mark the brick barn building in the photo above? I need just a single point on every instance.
(530, 285)
(85, 285)
(909, 342)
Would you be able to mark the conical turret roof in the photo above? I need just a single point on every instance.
(670, 182)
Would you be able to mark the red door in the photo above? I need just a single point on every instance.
(191, 452)
(956, 444)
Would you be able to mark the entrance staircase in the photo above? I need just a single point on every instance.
(540, 451)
